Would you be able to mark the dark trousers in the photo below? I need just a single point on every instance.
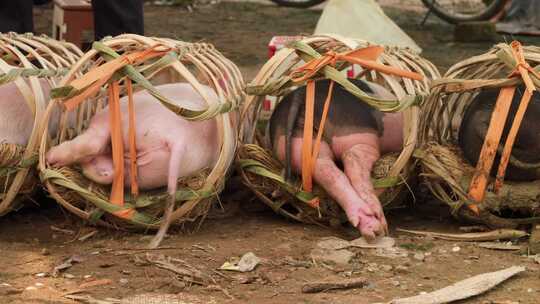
(114, 17)
(16, 16)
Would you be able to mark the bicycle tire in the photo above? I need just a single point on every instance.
(490, 11)
(298, 4)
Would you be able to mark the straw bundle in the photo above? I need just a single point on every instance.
(23, 59)
(444, 169)
(195, 63)
(263, 174)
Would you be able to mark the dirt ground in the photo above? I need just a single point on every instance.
(35, 240)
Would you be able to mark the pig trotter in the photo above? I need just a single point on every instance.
(291, 121)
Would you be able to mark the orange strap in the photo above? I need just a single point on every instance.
(91, 82)
(117, 191)
(364, 57)
(307, 143)
(132, 141)
(479, 182)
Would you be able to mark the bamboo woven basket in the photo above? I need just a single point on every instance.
(263, 174)
(23, 59)
(443, 168)
(195, 63)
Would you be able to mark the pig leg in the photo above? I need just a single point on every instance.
(338, 186)
(177, 151)
(90, 143)
(358, 162)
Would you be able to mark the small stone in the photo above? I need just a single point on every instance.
(45, 252)
(88, 276)
(456, 249)
(530, 290)
(41, 275)
(442, 251)
(124, 281)
(30, 288)
(39, 284)
(69, 276)
(423, 292)
(419, 256)
(125, 272)
(396, 283)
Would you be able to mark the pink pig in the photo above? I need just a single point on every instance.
(168, 146)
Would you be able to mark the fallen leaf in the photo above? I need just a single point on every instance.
(463, 289)
(247, 263)
(494, 235)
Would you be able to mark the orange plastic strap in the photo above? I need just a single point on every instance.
(365, 57)
(91, 82)
(479, 181)
(307, 143)
(522, 70)
(322, 123)
(132, 141)
(117, 191)
(498, 119)
(310, 152)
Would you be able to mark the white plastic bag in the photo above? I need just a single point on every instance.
(362, 19)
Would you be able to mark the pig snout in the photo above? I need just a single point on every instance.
(99, 169)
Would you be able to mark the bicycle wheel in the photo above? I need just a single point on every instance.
(298, 3)
(458, 11)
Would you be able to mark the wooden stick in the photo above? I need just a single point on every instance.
(325, 286)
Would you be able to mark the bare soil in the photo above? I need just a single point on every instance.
(31, 245)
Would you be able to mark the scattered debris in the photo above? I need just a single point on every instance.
(464, 289)
(499, 246)
(334, 243)
(185, 270)
(123, 281)
(247, 263)
(456, 249)
(296, 263)
(64, 231)
(69, 276)
(88, 235)
(41, 275)
(219, 288)
(66, 265)
(338, 257)
(325, 286)
(494, 235)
